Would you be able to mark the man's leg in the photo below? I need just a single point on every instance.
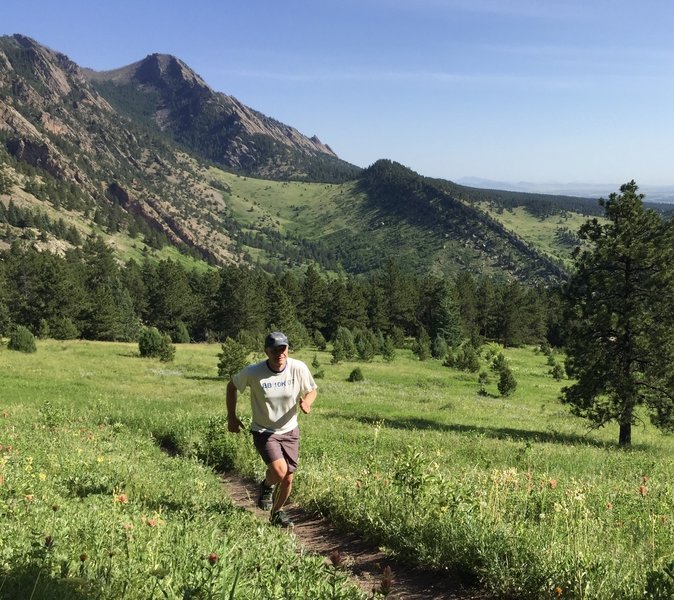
(278, 475)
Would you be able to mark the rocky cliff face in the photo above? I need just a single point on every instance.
(112, 133)
(220, 127)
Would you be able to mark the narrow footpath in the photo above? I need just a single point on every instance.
(364, 562)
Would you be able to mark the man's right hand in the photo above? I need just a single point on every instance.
(234, 424)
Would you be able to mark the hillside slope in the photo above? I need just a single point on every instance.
(138, 155)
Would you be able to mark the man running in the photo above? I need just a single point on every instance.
(277, 386)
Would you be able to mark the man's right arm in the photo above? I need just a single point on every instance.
(234, 424)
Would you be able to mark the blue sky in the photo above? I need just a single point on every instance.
(511, 90)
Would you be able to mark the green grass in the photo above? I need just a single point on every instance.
(513, 493)
(538, 232)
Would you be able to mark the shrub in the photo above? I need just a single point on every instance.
(167, 351)
(149, 342)
(483, 380)
(467, 359)
(180, 334)
(356, 375)
(233, 358)
(388, 349)
(343, 346)
(557, 372)
(319, 340)
(440, 348)
(507, 382)
(43, 329)
(154, 344)
(63, 328)
(22, 340)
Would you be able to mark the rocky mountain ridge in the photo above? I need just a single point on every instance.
(149, 149)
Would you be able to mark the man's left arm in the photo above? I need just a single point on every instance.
(307, 400)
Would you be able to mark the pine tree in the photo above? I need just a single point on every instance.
(620, 318)
(313, 300)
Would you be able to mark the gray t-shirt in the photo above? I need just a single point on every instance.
(274, 396)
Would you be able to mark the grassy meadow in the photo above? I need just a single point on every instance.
(510, 492)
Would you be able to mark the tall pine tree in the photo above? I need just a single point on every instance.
(620, 318)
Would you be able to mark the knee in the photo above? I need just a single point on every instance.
(279, 470)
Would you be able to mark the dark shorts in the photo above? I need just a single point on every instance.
(273, 446)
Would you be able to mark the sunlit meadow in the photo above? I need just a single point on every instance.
(109, 488)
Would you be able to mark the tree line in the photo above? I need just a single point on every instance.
(88, 294)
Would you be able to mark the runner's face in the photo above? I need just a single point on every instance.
(277, 357)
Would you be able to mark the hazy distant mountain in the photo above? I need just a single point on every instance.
(582, 190)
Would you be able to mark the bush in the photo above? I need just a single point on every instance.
(233, 358)
(343, 346)
(180, 334)
(557, 372)
(168, 350)
(319, 340)
(507, 384)
(154, 344)
(388, 349)
(63, 328)
(356, 375)
(440, 348)
(467, 359)
(22, 340)
(483, 380)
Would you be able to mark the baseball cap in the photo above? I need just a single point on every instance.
(276, 339)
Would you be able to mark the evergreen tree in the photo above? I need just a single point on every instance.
(108, 313)
(467, 302)
(232, 358)
(422, 346)
(282, 316)
(507, 384)
(365, 344)
(169, 296)
(204, 288)
(620, 322)
(343, 346)
(43, 287)
(388, 350)
(242, 303)
(440, 348)
(313, 300)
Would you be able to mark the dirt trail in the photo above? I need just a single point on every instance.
(364, 562)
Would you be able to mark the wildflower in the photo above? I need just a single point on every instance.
(645, 478)
(42, 476)
(127, 526)
(609, 505)
(558, 591)
(121, 498)
(643, 490)
(28, 497)
(386, 581)
(552, 484)
(335, 558)
(212, 558)
(151, 522)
